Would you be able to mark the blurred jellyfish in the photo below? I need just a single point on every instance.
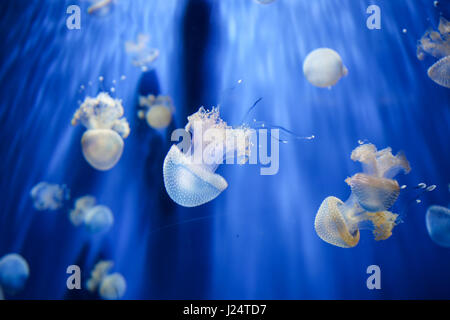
(109, 286)
(438, 225)
(96, 218)
(102, 142)
(47, 196)
(157, 110)
(101, 269)
(323, 68)
(100, 7)
(112, 287)
(437, 44)
(82, 205)
(373, 193)
(141, 54)
(189, 175)
(14, 273)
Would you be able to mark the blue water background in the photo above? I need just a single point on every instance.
(256, 240)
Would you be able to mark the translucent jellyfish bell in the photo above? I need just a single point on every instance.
(190, 177)
(112, 287)
(438, 225)
(109, 286)
(99, 219)
(96, 218)
(14, 273)
(101, 269)
(374, 189)
(323, 68)
(82, 205)
(339, 223)
(437, 44)
(156, 110)
(440, 72)
(142, 55)
(48, 196)
(102, 143)
(373, 192)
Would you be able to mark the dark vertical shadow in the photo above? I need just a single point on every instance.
(179, 254)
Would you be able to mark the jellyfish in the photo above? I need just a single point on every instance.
(437, 44)
(157, 110)
(142, 55)
(189, 175)
(375, 190)
(440, 72)
(95, 218)
(82, 205)
(109, 286)
(98, 219)
(323, 68)
(14, 273)
(102, 142)
(48, 196)
(112, 287)
(101, 269)
(372, 194)
(438, 225)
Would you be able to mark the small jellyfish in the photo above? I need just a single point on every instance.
(141, 54)
(14, 273)
(101, 269)
(157, 110)
(48, 196)
(374, 189)
(323, 68)
(95, 218)
(98, 219)
(109, 286)
(438, 225)
(112, 287)
(373, 193)
(102, 142)
(437, 44)
(189, 175)
(82, 205)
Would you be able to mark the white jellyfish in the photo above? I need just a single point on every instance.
(109, 286)
(112, 287)
(102, 142)
(48, 196)
(440, 72)
(157, 110)
(437, 44)
(14, 273)
(323, 68)
(101, 269)
(142, 55)
(189, 175)
(373, 193)
(438, 225)
(95, 218)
